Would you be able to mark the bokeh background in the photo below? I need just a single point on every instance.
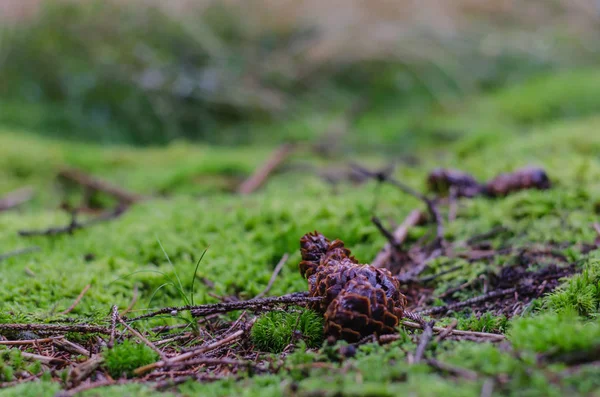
(241, 71)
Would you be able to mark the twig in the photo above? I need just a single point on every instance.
(258, 178)
(70, 347)
(80, 328)
(487, 389)
(213, 361)
(456, 332)
(424, 341)
(77, 300)
(113, 326)
(185, 356)
(431, 205)
(224, 307)
(469, 302)
(461, 372)
(75, 224)
(15, 198)
(442, 273)
(447, 331)
(399, 235)
(84, 370)
(44, 359)
(94, 183)
(278, 268)
(28, 341)
(18, 252)
(142, 338)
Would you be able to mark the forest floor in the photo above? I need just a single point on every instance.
(93, 236)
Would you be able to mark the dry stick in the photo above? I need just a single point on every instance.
(224, 307)
(462, 372)
(424, 341)
(173, 339)
(142, 338)
(80, 328)
(94, 183)
(213, 361)
(185, 356)
(475, 334)
(431, 205)
(447, 331)
(400, 234)
(28, 341)
(261, 174)
(278, 268)
(77, 300)
(15, 198)
(44, 359)
(70, 347)
(75, 225)
(472, 301)
(18, 252)
(113, 326)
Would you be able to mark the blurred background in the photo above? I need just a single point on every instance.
(247, 71)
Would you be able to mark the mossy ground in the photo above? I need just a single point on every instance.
(546, 122)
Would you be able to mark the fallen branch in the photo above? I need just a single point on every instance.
(142, 338)
(77, 300)
(260, 175)
(79, 328)
(91, 182)
(15, 198)
(224, 307)
(278, 268)
(27, 341)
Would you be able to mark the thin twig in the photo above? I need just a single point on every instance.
(456, 332)
(260, 175)
(70, 347)
(15, 198)
(195, 352)
(95, 183)
(431, 205)
(142, 338)
(28, 341)
(456, 371)
(278, 268)
(472, 301)
(447, 331)
(224, 307)
(75, 225)
(44, 359)
(424, 341)
(77, 300)
(400, 234)
(113, 326)
(80, 328)
(18, 252)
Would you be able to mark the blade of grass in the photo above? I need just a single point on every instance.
(194, 277)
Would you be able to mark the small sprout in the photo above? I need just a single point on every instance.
(274, 331)
(123, 359)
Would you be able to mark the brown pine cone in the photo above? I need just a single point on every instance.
(525, 178)
(359, 300)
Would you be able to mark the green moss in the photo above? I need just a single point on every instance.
(273, 331)
(581, 293)
(124, 358)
